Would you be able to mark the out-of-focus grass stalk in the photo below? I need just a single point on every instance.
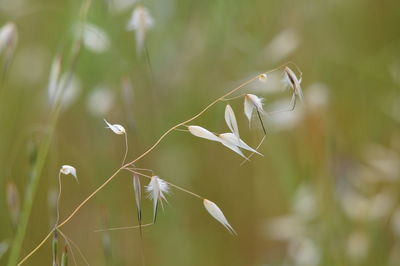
(36, 173)
(37, 170)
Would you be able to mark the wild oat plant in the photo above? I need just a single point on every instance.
(62, 75)
(159, 188)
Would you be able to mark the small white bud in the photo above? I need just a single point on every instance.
(8, 37)
(140, 22)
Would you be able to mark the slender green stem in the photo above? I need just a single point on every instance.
(31, 192)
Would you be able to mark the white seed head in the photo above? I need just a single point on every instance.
(157, 189)
(13, 202)
(357, 245)
(69, 170)
(230, 119)
(252, 102)
(52, 87)
(100, 101)
(69, 89)
(232, 140)
(282, 45)
(303, 251)
(95, 39)
(117, 129)
(203, 133)
(218, 215)
(8, 37)
(291, 79)
(138, 195)
(140, 22)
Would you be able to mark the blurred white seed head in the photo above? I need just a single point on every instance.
(381, 205)
(69, 89)
(361, 208)
(69, 170)
(304, 252)
(385, 161)
(4, 245)
(117, 129)
(357, 246)
(252, 103)
(305, 204)
(94, 38)
(285, 228)
(282, 45)
(8, 39)
(64, 88)
(100, 101)
(317, 96)
(218, 215)
(55, 71)
(140, 22)
(13, 202)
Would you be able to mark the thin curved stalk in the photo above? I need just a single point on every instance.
(140, 157)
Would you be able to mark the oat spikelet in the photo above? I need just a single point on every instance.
(69, 170)
(157, 189)
(252, 103)
(230, 119)
(117, 129)
(218, 215)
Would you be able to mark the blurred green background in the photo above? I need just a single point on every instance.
(325, 193)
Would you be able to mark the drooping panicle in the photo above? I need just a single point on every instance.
(218, 215)
(140, 22)
(157, 189)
